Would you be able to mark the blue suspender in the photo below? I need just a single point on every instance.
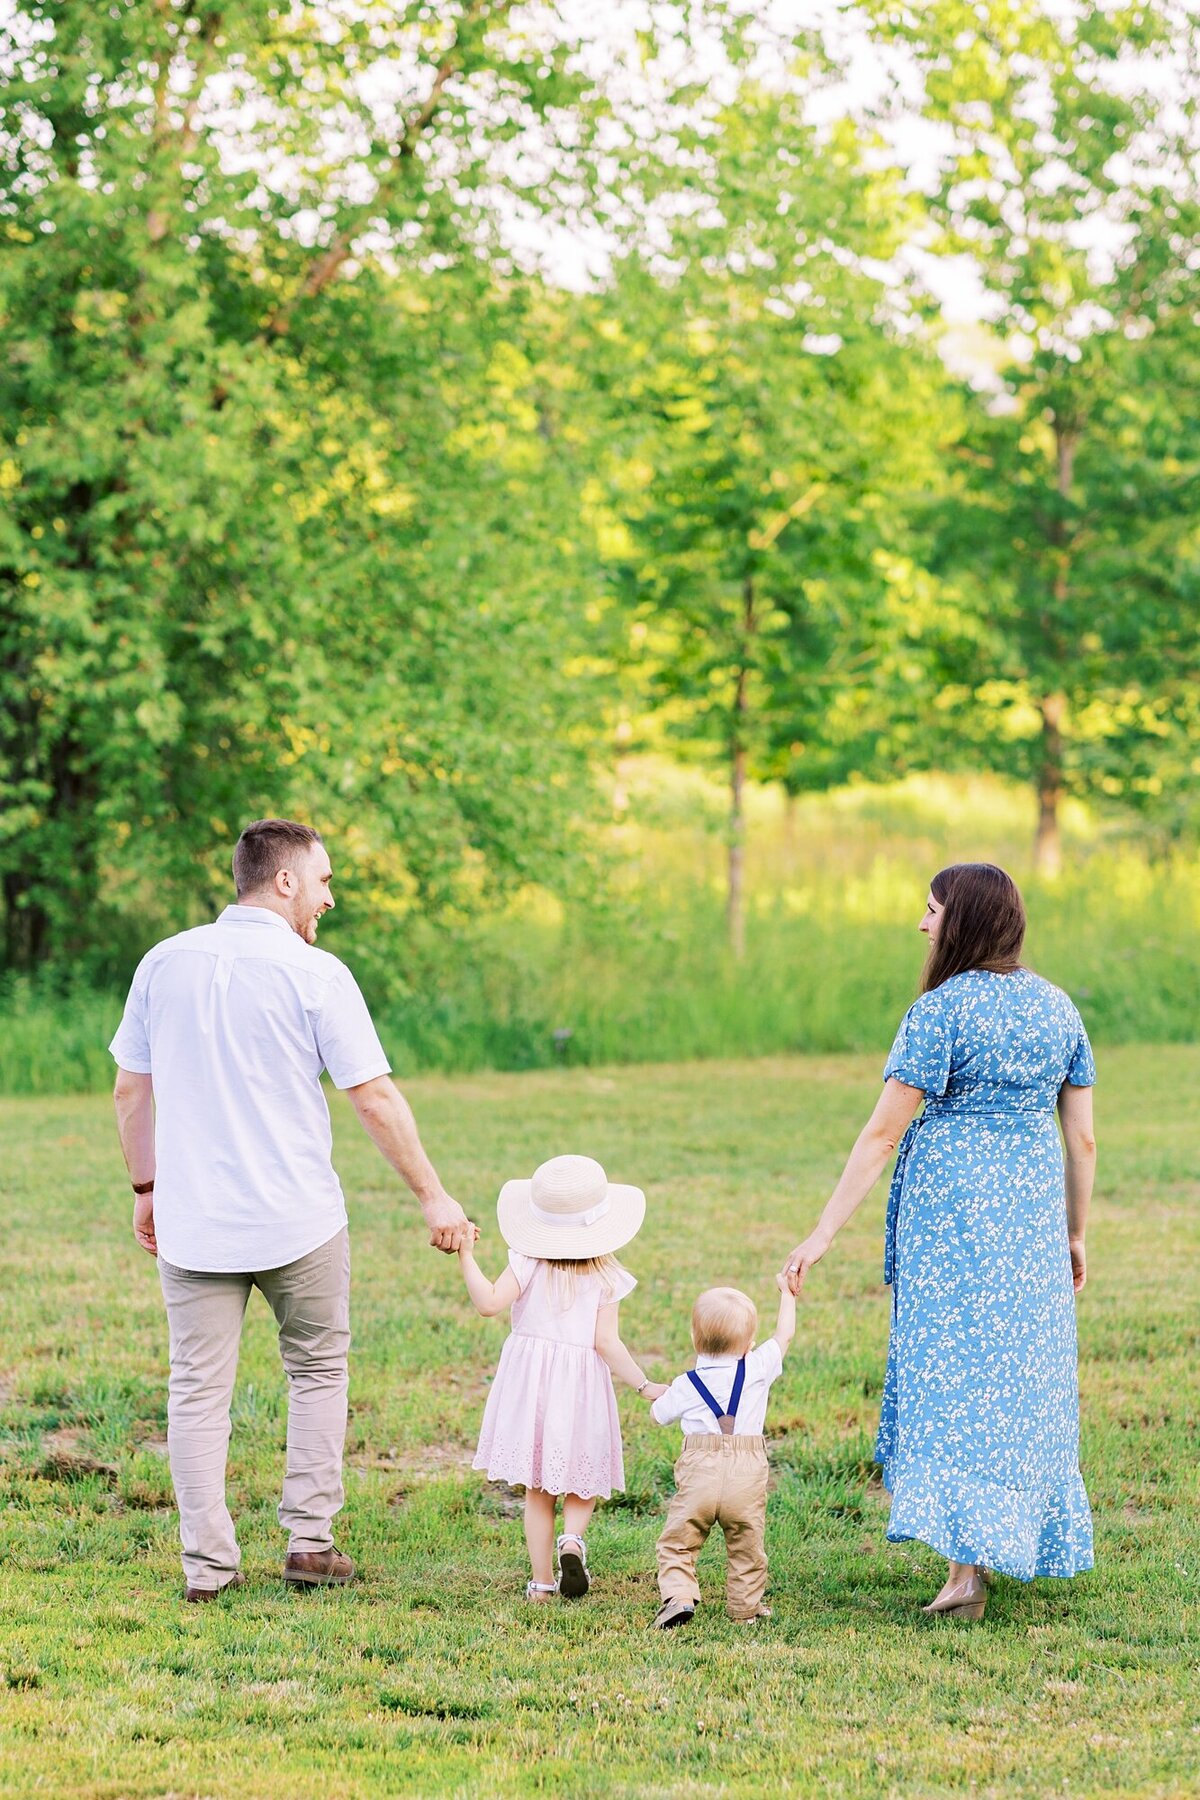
(725, 1419)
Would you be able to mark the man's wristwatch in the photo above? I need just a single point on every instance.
(142, 1187)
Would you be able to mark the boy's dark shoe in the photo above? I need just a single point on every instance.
(196, 1596)
(318, 1568)
(672, 1613)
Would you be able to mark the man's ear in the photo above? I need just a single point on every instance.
(283, 881)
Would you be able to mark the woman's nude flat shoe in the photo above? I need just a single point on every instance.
(962, 1602)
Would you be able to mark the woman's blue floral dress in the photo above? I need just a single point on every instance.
(979, 1431)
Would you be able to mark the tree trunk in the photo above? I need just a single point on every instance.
(1047, 844)
(26, 926)
(1047, 848)
(735, 902)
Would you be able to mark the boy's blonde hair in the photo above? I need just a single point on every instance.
(566, 1270)
(724, 1321)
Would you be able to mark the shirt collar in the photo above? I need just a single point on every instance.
(727, 1361)
(253, 915)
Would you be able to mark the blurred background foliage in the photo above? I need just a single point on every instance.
(541, 452)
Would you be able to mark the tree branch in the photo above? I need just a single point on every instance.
(762, 540)
(337, 251)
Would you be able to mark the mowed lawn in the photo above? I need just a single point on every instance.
(431, 1677)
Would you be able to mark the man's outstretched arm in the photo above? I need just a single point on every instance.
(388, 1121)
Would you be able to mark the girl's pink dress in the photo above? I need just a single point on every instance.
(551, 1417)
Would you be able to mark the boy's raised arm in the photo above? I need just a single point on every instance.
(785, 1325)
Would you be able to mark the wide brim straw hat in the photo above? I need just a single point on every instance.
(569, 1209)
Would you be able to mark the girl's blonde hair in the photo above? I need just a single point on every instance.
(565, 1271)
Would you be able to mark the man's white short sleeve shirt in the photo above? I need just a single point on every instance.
(764, 1364)
(234, 1022)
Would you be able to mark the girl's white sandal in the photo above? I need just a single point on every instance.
(573, 1581)
(540, 1591)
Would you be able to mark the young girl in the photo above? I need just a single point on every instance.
(550, 1423)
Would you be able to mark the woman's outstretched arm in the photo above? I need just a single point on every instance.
(1079, 1160)
(894, 1112)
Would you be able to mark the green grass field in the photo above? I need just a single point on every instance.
(430, 1678)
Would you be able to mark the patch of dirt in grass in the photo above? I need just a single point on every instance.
(64, 1460)
(147, 1496)
(416, 1461)
(505, 1500)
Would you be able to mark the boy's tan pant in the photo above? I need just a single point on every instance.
(311, 1302)
(718, 1481)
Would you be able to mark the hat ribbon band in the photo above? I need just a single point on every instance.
(584, 1218)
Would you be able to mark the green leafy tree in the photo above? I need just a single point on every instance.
(772, 418)
(281, 528)
(1066, 539)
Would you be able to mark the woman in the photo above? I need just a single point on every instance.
(979, 1429)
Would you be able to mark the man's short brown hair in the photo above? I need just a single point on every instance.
(265, 847)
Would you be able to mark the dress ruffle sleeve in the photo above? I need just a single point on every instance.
(1082, 1069)
(523, 1267)
(921, 1053)
(623, 1284)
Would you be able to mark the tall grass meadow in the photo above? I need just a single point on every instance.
(835, 887)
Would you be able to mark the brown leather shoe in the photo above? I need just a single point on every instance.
(318, 1568)
(196, 1596)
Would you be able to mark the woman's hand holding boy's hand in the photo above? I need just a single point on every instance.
(802, 1259)
(654, 1390)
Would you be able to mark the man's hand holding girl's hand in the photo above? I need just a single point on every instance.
(449, 1227)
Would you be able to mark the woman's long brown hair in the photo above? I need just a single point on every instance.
(982, 924)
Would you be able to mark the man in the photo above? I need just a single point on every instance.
(227, 1139)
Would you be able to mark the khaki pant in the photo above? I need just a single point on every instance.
(718, 1481)
(311, 1301)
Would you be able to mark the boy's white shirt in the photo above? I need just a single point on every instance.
(764, 1364)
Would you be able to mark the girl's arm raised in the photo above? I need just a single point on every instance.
(488, 1297)
(622, 1364)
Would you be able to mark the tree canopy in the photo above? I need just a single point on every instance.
(323, 493)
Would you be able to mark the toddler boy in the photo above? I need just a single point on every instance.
(721, 1477)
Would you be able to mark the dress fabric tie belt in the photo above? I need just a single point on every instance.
(1026, 1115)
